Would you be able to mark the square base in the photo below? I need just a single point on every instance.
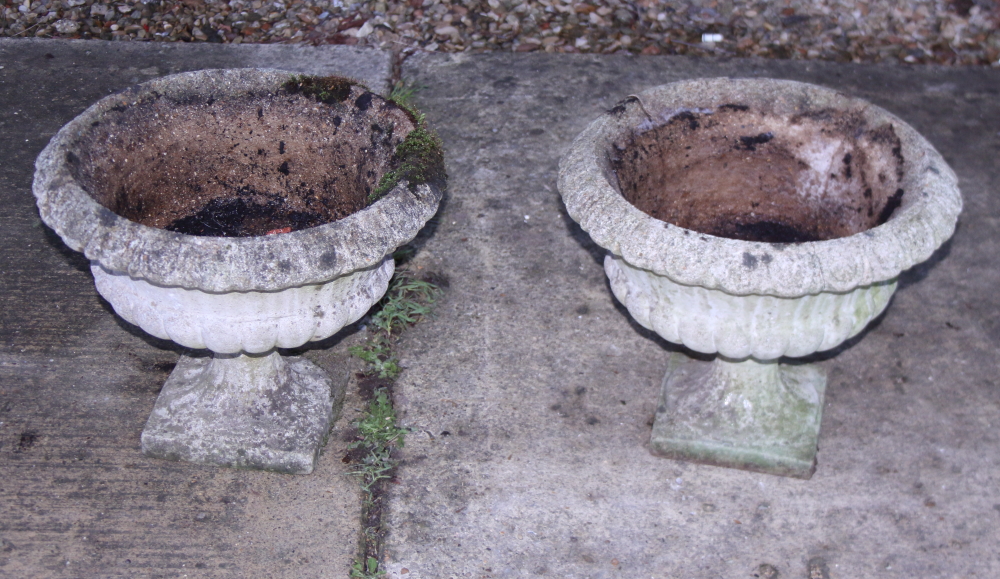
(199, 419)
(767, 422)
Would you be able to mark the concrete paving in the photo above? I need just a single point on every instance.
(77, 498)
(531, 394)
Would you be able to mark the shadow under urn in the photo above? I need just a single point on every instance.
(241, 211)
(751, 220)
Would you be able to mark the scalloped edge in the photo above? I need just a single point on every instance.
(925, 220)
(219, 264)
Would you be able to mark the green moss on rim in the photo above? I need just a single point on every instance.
(418, 159)
(325, 89)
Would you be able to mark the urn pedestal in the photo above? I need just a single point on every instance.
(754, 220)
(241, 212)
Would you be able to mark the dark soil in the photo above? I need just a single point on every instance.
(240, 217)
(752, 175)
(241, 166)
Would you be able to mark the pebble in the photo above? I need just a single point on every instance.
(957, 32)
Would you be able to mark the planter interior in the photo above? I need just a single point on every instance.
(242, 166)
(751, 220)
(239, 211)
(743, 174)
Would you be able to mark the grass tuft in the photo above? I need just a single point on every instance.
(378, 354)
(406, 302)
(378, 434)
(402, 94)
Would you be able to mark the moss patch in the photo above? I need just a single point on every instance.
(419, 159)
(325, 89)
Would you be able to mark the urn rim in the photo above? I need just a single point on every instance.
(218, 264)
(925, 220)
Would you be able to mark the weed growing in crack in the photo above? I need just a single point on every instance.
(402, 94)
(378, 434)
(407, 301)
(366, 570)
(378, 354)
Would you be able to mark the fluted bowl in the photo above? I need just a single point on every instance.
(842, 197)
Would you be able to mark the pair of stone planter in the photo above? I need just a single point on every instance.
(229, 211)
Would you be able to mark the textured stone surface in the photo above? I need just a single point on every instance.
(923, 222)
(825, 198)
(759, 416)
(765, 327)
(233, 294)
(251, 322)
(260, 412)
(262, 263)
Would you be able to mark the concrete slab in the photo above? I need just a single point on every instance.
(77, 498)
(531, 394)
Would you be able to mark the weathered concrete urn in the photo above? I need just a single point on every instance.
(754, 219)
(235, 211)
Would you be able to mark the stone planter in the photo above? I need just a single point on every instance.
(754, 220)
(235, 211)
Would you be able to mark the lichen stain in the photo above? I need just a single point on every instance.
(328, 259)
(619, 109)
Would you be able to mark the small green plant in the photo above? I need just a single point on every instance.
(378, 434)
(367, 569)
(405, 303)
(402, 94)
(378, 426)
(378, 355)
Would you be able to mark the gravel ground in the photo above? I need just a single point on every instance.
(962, 32)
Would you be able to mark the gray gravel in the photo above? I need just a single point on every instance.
(963, 32)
